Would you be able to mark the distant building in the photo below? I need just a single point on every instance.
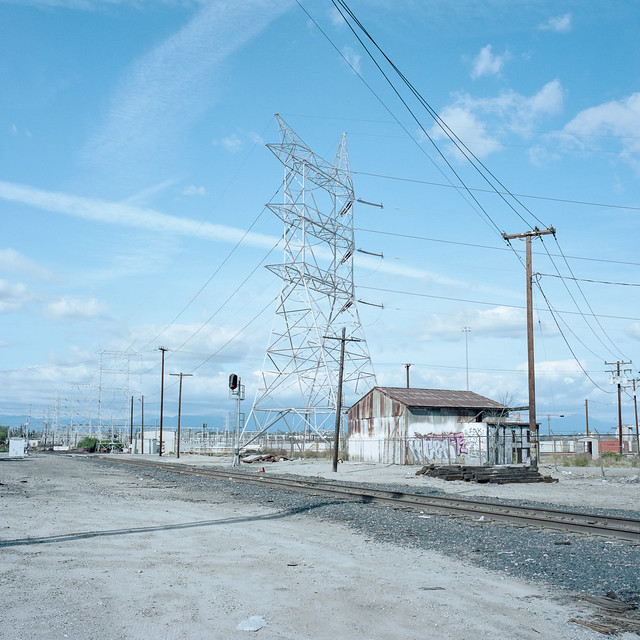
(152, 442)
(394, 425)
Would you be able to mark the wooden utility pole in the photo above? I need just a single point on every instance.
(617, 378)
(181, 375)
(162, 349)
(586, 414)
(407, 367)
(466, 330)
(131, 428)
(336, 438)
(533, 426)
(142, 426)
(635, 406)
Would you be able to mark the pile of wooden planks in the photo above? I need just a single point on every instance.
(482, 474)
(613, 615)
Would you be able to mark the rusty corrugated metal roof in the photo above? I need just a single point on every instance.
(440, 398)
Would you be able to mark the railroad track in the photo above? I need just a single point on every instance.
(620, 528)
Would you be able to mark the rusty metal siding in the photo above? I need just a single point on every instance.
(376, 429)
(404, 426)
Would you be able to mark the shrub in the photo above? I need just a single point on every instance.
(88, 444)
(581, 460)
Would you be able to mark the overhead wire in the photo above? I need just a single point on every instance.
(475, 162)
(344, 10)
(213, 275)
(475, 205)
(575, 357)
(486, 246)
(519, 195)
(484, 302)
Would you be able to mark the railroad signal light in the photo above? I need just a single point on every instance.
(234, 382)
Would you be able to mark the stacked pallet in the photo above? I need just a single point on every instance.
(492, 475)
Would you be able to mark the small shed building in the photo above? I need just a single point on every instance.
(395, 425)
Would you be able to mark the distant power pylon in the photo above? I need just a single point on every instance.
(299, 380)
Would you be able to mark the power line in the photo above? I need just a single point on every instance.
(621, 284)
(485, 246)
(487, 303)
(519, 195)
(473, 160)
(502, 129)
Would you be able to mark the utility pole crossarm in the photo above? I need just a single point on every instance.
(618, 380)
(534, 233)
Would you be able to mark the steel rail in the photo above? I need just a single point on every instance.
(621, 528)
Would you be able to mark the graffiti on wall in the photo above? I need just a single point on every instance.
(474, 434)
(437, 447)
(447, 448)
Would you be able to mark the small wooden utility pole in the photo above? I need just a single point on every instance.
(131, 427)
(533, 426)
(586, 414)
(162, 349)
(635, 406)
(336, 438)
(181, 375)
(407, 367)
(617, 378)
(142, 426)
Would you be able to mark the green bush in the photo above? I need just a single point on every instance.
(581, 460)
(612, 458)
(88, 444)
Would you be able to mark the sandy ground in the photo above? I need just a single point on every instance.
(119, 556)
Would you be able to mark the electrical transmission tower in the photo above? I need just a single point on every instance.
(299, 381)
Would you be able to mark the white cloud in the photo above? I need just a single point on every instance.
(473, 118)
(69, 309)
(13, 262)
(235, 142)
(559, 24)
(192, 190)
(472, 131)
(127, 215)
(232, 143)
(352, 57)
(634, 330)
(486, 63)
(501, 322)
(175, 82)
(14, 296)
(618, 118)
(336, 18)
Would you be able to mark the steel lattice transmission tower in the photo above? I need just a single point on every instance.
(299, 382)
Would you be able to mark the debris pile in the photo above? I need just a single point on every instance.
(493, 475)
(262, 457)
(612, 615)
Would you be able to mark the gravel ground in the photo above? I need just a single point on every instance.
(94, 550)
(575, 563)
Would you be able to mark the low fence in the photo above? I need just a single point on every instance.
(552, 447)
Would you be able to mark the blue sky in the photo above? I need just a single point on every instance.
(133, 161)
